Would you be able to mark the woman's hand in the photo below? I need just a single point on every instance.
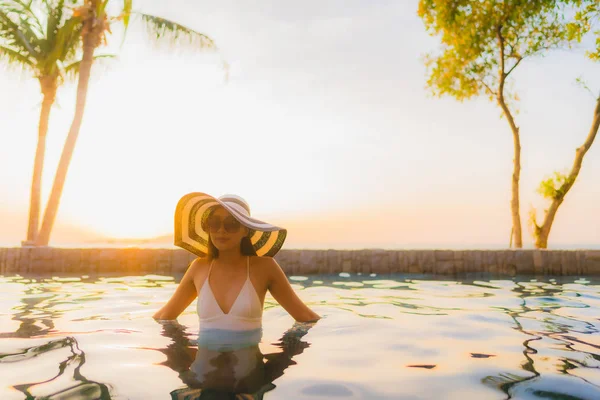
(282, 291)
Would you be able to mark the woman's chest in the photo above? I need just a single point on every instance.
(226, 288)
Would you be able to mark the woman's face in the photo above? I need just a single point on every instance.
(225, 231)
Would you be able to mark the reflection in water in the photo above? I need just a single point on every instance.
(535, 386)
(228, 364)
(82, 388)
(28, 318)
(511, 338)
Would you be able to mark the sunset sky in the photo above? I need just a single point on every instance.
(325, 127)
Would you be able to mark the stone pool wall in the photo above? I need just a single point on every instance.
(135, 261)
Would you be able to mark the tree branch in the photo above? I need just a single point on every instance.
(490, 91)
(519, 59)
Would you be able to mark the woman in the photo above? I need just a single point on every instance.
(235, 268)
(231, 278)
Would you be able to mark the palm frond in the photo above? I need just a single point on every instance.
(13, 57)
(176, 34)
(47, 53)
(25, 11)
(66, 42)
(55, 13)
(72, 70)
(127, 5)
(72, 43)
(18, 37)
(101, 8)
(29, 24)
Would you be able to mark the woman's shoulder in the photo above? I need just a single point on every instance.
(199, 264)
(200, 261)
(266, 265)
(198, 269)
(262, 260)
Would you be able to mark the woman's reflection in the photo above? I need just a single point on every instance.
(228, 364)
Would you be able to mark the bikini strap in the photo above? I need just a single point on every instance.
(209, 268)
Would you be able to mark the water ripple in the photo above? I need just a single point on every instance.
(382, 337)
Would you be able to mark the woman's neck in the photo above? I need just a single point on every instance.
(231, 257)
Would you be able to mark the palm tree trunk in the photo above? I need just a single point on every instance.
(91, 40)
(541, 240)
(49, 86)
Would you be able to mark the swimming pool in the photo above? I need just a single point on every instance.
(381, 337)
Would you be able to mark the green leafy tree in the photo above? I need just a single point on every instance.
(555, 189)
(95, 25)
(482, 43)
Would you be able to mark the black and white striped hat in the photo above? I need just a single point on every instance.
(193, 209)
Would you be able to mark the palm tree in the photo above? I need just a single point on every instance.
(95, 25)
(38, 37)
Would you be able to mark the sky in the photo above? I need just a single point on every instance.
(325, 126)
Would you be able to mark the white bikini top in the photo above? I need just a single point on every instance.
(245, 313)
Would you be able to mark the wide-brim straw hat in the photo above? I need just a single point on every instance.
(193, 209)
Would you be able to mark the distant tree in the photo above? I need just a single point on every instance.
(95, 20)
(556, 188)
(482, 43)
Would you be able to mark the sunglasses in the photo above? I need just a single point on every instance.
(231, 225)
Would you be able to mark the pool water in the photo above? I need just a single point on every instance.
(381, 337)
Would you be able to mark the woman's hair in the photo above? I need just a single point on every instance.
(246, 247)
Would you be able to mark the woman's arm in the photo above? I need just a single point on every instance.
(183, 296)
(282, 291)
